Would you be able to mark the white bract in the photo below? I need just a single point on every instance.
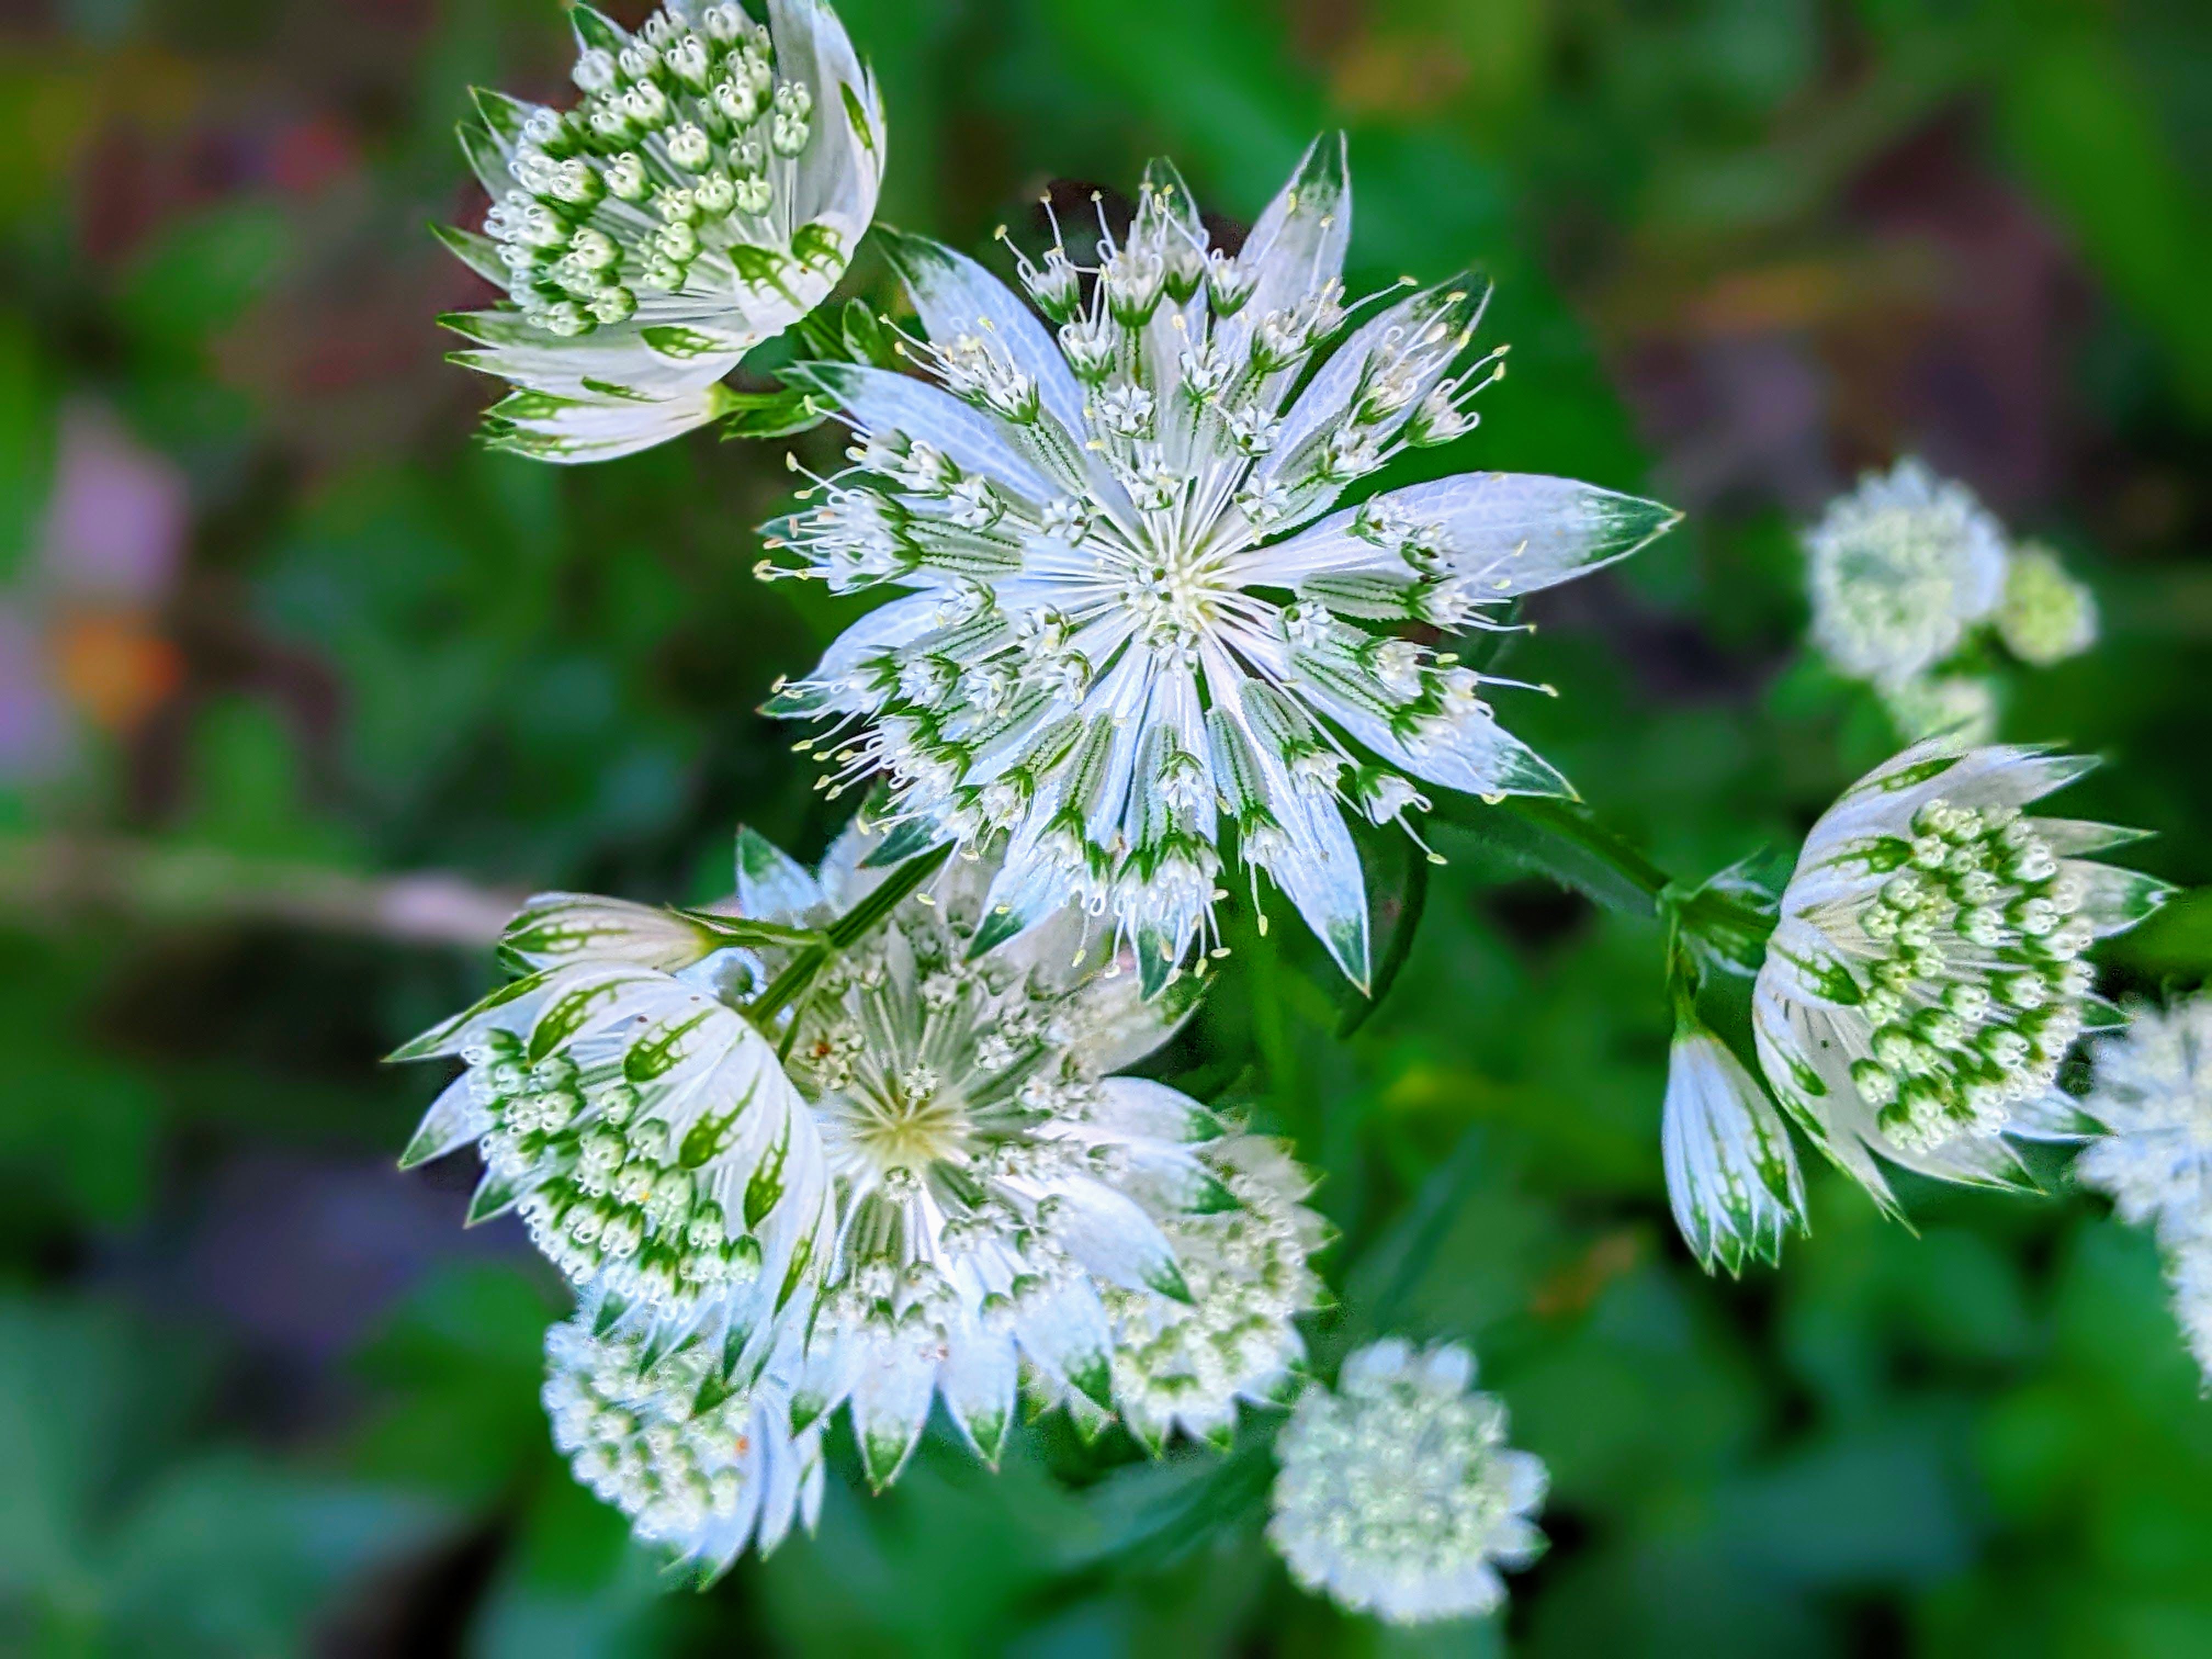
(2046, 615)
(698, 1462)
(1398, 1495)
(645, 1130)
(1731, 1175)
(1926, 975)
(707, 193)
(1128, 613)
(2153, 1096)
(1898, 571)
(1005, 1206)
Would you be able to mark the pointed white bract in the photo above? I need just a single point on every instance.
(643, 1128)
(1010, 1214)
(698, 1463)
(2153, 1097)
(1898, 571)
(1926, 975)
(1398, 1495)
(1731, 1174)
(707, 193)
(1130, 624)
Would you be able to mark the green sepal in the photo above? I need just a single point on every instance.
(595, 32)
(486, 159)
(495, 1195)
(907, 838)
(432, 1041)
(479, 253)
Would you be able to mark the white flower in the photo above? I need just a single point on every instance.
(1731, 1175)
(1898, 569)
(1398, 1495)
(706, 193)
(1185, 1364)
(1926, 975)
(1005, 1204)
(2153, 1096)
(1961, 707)
(2188, 1277)
(1156, 628)
(697, 1461)
(2046, 616)
(639, 1123)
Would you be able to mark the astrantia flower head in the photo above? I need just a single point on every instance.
(700, 1462)
(1005, 1204)
(2153, 1095)
(1128, 628)
(1926, 975)
(644, 1127)
(1398, 1495)
(1731, 1175)
(2046, 615)
(1898, 569)
(707, 193)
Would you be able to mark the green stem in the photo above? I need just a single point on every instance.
(848, 930)
(1573, 821)
(1714, 916)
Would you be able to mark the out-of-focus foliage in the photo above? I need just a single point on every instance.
(271, 632)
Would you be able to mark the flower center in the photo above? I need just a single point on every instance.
(1175, 598)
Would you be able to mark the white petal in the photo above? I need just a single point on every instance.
(1507, 533)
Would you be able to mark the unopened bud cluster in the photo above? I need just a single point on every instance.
(1974, 989)
(611, 1197)
(666, 177)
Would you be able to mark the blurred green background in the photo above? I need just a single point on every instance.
(297, 687)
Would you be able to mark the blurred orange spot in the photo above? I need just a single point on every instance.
(1400, 76)
(114, 666)
(1583, 1280)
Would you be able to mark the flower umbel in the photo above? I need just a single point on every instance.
(1126, 618)
(639, 1123)
(1005, 1206)
(1731, 1175)
(1926, 975)
(706, 193)
(1398, 1495)
(2153, 1097)
(1898, 569)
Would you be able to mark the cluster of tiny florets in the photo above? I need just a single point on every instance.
(2152, 1098)
(694, 1462)
(1246, 1274)
(1398, 1494)
(610, 1197)
(1906, 571)
(1926, 976)
(1974, 986)
(1009, 1212)
(664, 179)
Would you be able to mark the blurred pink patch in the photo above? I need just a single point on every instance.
(116, 523)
